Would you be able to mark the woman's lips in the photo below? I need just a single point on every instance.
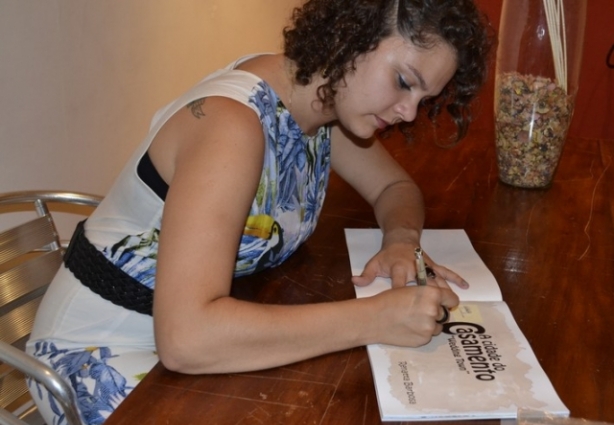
(381, 123)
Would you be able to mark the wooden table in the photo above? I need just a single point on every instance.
(552, 252)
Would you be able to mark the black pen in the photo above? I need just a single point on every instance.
(421, 275)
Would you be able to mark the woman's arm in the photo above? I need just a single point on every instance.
(397, 203)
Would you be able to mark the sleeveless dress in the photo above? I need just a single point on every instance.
(104, 350)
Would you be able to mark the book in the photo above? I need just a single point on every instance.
(480, 367)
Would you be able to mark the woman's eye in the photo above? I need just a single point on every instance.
(403, 84)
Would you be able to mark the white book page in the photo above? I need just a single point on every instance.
(450, 248)
(448, 379)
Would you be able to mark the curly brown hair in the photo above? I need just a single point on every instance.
(327, 36)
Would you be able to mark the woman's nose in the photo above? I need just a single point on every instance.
(407, 109)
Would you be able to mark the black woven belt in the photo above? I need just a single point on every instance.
(104, 278)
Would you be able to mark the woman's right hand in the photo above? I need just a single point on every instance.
(407, 316)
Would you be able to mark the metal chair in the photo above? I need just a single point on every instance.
(30, 255)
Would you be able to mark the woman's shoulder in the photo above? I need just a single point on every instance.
(237, 81)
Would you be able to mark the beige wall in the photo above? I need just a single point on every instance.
(80, 80)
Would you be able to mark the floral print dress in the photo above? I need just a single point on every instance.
(104, 350)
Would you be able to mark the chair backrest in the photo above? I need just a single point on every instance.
(30, 255)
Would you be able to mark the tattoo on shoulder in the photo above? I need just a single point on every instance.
(196, 107)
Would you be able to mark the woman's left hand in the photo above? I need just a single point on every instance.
(397, 262)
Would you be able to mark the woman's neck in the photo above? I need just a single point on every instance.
(302, 101)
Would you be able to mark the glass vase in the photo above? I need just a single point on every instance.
(536, 81)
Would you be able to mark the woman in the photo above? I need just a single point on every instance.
(231, 180)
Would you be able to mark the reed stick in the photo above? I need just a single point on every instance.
(555, 17)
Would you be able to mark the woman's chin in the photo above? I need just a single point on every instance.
(364, 133)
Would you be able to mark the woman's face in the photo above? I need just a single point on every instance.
(389, 84)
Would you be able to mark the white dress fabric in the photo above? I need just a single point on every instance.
(104, 350)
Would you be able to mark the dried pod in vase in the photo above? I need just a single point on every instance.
(532, 115)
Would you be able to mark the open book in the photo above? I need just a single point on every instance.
(480, 367)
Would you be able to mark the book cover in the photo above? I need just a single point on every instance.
(480, 367)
